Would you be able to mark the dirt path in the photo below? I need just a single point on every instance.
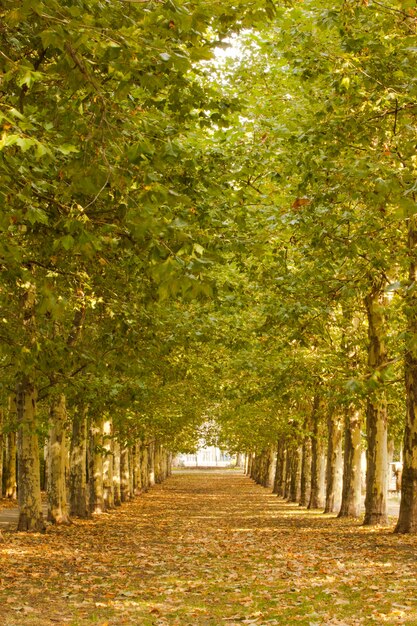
(208, 549)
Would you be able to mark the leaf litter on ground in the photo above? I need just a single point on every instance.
(209, 549)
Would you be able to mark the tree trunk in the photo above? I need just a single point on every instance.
(164, 463)
(10, 459)
(305, 480)
(351, 491)
(407, 521)
(136, 453)
(78, 492)
(132, 479)
(125, 492)
(318, 459)
(2, 449)
(334, 468)
(151, 460)
(262, 467)
(10, 467)
(284, 470)
(254, 469)
(250, 464)
(56, 463)
(287, 478)
(116, 473)
(96, 499)
(157, 463)
(145, 466)
(269, 468)
(159, 472)
(258, 468)
(376, 416)
(391, 449)
(272, 468)
(29, 490)
(245, 463)
(318, 476)
(108, 488)
(295, 475)
(279, 464)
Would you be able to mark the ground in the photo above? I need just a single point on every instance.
(208, 549)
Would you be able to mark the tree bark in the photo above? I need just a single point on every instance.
(96, 499)
(287, 478)
(145, 466)
(159, 470)
(136, 454)
(157, 465)
(279, 466)
(10, 466)
(272, 467)
(391, 448)
(2, 449)
(305, 481)
(132, 480)
(164, 463)
(10, 458)
(318, 476)
(116, 473)
(169, 464)
(254, 467)
(295, 475)
(351, 491)
(30, 505)
(262, 467)
(318, 459)
(334, 467)
(250, 463)
(151, 461)
(78, 492)
(108, 486)
(56, 463)
(376, 511)
(407, 520)
(125, 492)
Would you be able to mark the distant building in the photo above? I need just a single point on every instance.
(205, 457)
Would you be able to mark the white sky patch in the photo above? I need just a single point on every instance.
(231, 50)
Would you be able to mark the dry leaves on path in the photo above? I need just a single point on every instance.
(6, 503)
(208, 549)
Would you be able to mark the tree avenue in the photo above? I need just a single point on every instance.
(189, 236)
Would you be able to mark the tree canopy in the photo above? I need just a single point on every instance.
(189, 234)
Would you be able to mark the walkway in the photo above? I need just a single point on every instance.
(10, 517)
(208, 549)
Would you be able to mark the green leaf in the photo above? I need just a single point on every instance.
(28, 77)
(41, 150)
(67, 242)
(198, 249)
(25, 143)
(55, 38)
(36, 214)
(408, 206)
(67, 148)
